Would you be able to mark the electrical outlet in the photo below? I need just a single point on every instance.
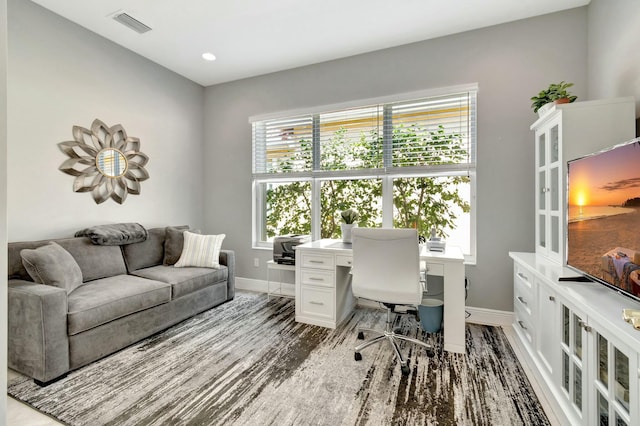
(256, 262)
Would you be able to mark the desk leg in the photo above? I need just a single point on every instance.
(454, 308)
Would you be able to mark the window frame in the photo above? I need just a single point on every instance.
(317, 176)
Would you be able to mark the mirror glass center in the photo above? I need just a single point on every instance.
(111, 162)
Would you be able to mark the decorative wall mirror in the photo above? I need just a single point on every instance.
(105, 162)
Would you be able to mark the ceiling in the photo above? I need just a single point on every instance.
(254, 37)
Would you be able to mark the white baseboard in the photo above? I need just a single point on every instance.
(260, 286)
(489, 316)
(478, 315)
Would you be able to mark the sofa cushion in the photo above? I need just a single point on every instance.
(107, 299)
(52, 265)
(200, 250)
(184, 280)
(15, 268)
(173, 243)
(148, 253)
(95, 261)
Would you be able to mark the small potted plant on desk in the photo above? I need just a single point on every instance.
(554, 94)
(349, 218)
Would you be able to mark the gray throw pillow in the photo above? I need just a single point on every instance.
(173, 243)
(52, 265)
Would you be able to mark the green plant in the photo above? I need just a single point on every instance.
(551, 94)
(349, 216)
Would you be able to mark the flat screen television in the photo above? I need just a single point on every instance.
(603, 217)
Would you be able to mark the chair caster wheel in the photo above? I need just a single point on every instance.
(397, 330)
(357, 356)
(406, 369)
(360, 335)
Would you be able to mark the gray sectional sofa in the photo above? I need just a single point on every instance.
(128, 292)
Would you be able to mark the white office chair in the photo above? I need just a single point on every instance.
(386, 269)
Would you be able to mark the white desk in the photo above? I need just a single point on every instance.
(323, 287)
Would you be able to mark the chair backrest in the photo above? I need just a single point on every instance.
(386, 265)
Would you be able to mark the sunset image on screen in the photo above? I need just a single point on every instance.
(604, 216)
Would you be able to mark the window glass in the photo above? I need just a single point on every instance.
(363, 195)
(287, 208)
(434, 202)
(409, 163)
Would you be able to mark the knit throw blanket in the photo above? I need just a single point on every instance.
(114, 235)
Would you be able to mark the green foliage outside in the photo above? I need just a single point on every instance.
(419, 202)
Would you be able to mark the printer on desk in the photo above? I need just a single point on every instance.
(284, 248)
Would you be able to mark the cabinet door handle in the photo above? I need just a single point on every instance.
(584, 325)
(524, 302)
(551, 298)
(523, 276)
(316, 303)
(522, 325)
(315, 279)
(321, 262)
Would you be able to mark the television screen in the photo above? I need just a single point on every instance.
(603, 229)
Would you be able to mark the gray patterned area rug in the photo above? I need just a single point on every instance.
(248, 362)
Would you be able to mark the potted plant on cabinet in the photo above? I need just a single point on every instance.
(349, 217)
(556, 93)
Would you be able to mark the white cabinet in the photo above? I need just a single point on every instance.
(323, 286)
(615, 380)
(574, 361)
(585, 357)
(546, 334)
(567, 132)
(549, 229)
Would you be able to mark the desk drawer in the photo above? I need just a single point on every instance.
(435, 269)
(315, 260)
(317, 301)
(317, 278)
(344, 260)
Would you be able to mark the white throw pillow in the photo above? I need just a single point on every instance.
(200, 250)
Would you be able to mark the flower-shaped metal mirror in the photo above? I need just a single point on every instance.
(105, 161)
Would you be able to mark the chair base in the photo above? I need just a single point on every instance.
(390, 335)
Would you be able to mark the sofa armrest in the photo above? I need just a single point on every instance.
(38, 345)
(228, 258)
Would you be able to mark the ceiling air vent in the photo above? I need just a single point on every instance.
(131, 22)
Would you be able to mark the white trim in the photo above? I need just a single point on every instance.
(489, 317)
(478, 315)
(250, 284)
(407, 96)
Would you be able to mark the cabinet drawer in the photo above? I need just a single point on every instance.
(344, 260)
(315, 260)
(435, 269)
(522, 275)
(314, 277)
(523, 297)
(317, 301)
(523, 324)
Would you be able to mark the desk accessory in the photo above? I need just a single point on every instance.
(435, 243)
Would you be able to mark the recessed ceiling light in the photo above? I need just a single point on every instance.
(208, 56)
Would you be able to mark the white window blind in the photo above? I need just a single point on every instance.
(434, 131)
(283, 146)
(392, 138)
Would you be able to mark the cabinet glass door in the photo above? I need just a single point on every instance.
(612, 383)
(572, 348)
(554, 144)
(542, 151)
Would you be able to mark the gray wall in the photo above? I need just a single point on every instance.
(510, 62)
(61, 75)
(614, 49)
(3, 209)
